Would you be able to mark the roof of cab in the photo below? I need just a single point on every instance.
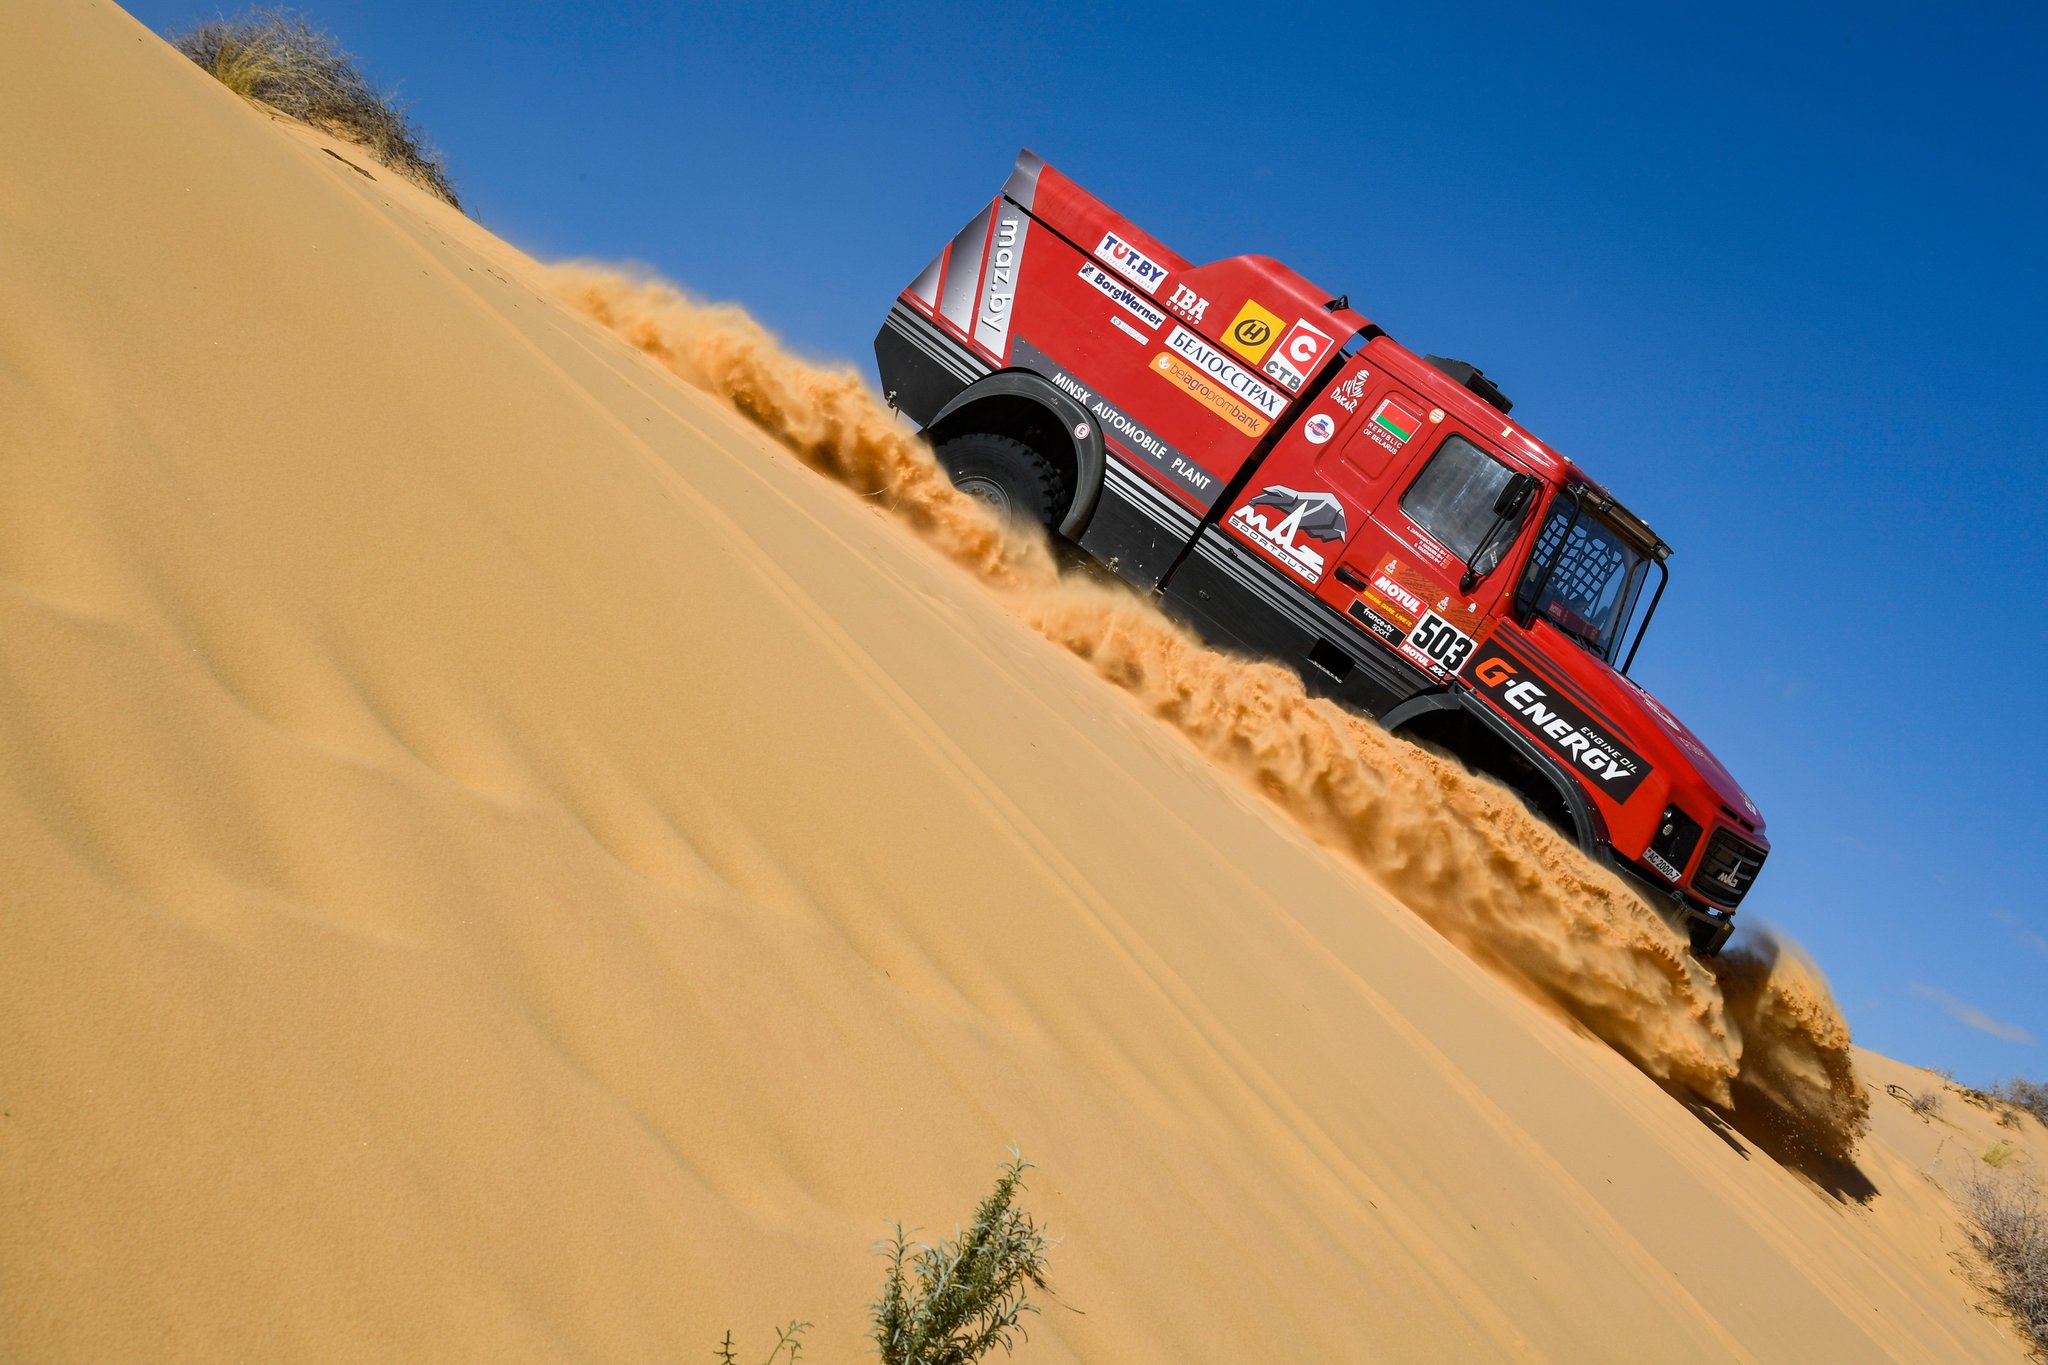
(1231, 282)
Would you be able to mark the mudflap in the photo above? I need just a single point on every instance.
(1708, 929)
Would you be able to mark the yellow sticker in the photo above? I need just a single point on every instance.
(1211, 395)
(1252, 332)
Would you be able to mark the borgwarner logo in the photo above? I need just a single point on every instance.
(1131, 263)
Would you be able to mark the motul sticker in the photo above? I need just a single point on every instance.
(1394, 424)
(1252, 331)
(1279, 519)
(1400, 592)
(1601, 761)
(1403, 605)
(1131, 263)
(1300, 351)
(1123, 296)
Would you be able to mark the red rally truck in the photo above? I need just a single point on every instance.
(1297, 485)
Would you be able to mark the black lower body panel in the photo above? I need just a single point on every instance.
(1239, 603)
(922, 368)
(1138, 529)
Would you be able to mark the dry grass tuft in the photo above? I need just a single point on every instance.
(2031, 1096)
(2010, 1228)
(275, 57)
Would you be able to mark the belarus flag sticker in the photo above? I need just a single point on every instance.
(1397, 420)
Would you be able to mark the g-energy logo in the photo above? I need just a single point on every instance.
(1602, 761)
(1131, 263)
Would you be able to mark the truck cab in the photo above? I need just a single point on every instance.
(1298, 486)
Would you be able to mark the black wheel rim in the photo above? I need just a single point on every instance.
(987, 491)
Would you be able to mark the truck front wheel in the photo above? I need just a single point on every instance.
(1010, 477)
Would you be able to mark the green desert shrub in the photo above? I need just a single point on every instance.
(953, 1303)
(276, 57)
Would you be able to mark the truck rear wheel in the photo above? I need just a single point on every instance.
(1009, 476)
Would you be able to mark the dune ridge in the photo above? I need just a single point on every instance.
(1459, 850)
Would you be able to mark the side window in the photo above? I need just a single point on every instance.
(1452, 499)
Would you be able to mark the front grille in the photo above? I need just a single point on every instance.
(1728, 869)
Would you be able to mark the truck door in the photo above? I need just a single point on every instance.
(1434, 519)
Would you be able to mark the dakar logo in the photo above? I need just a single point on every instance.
(1350, 391)
(1278, 517)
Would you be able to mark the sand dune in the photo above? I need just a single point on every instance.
(505, 861)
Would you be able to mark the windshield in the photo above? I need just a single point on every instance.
(1593, 589)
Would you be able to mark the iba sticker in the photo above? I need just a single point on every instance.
(1319, 428)
(1252, 331)
(1278, 519)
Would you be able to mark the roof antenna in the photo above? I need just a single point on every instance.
(1338, 304)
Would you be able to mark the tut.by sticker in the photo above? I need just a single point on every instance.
(1394, 423)
(1252, 332)
(1131, 263)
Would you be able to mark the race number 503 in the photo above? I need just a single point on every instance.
(1443, 643)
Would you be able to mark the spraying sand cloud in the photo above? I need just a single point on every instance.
(1463, 853)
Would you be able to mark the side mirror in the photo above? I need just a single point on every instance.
(1507, 504)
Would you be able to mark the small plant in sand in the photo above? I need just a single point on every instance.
(2032, 1096)
(2010, 1228)
(953, 1303)
(1926, 1104)
(274, 56)
(789, 1346)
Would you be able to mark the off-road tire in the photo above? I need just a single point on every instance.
(1014, 480)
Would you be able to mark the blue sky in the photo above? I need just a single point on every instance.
(1774, 275)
